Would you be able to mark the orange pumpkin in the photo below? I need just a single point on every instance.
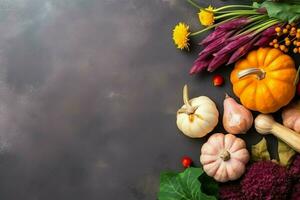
(264, 80)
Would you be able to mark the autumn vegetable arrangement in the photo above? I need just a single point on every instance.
(258, 39)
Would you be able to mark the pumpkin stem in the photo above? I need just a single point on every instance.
(189, 108)
(225, 155)
(260, 74)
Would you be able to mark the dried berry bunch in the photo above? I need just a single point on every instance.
(287, 38)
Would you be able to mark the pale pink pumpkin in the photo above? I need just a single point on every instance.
(291, 116)
(224, 157)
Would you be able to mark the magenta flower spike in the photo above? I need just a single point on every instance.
(200, 65)
(234, 24)
(234, 44)
(215, 46)
(243, 50)
(215, 35)
(263, 41)
(218, 61)
(269, 31)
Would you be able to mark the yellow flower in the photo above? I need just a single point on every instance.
(181, 36)
(206, 16)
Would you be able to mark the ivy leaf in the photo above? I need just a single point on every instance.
(285, 153)
(186, 185)
(260, 151)
(280, 10)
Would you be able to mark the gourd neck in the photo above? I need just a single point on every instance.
(260, 74)
(189, 108)
(225, 155)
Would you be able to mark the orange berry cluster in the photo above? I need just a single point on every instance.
(288, 37)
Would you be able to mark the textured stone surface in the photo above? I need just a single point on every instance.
(89, 90)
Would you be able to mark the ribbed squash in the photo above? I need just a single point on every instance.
(264, 80)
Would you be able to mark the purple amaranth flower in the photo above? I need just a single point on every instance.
(269, 31)
(266, 36)
(266, 180)
(234, 44)
(231, 191)
(216, 34)
(218, 61)
(263, 41)
(215, 46)
(234, 24)
(200, 65)
(243, 50)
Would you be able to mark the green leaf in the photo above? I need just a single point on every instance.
(285, 153)
(280, 10)
(260, 151)
(187, 186)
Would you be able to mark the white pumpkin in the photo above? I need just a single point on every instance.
(224, 157)
(198, 116)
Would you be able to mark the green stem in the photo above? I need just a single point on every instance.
(203, 30)
(259, 28)
(247, 27)
(266, 26)
(254, 18)
(212, 26)
(194, 4)
(238, 14)
(232, 6)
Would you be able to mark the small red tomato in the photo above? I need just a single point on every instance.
(218, 80)
(186, 161)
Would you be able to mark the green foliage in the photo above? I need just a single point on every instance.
(192, 184)
(285, 153)
(280, 10)
(260, 151)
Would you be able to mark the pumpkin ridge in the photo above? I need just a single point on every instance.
(282, 81)
(275, 100)
(243, 90)
(271, 52)
(250, 85)
(274, 70)
(244, 79)
(275, 60)
(255, 99)
(290, 81)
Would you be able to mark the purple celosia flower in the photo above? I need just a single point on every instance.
(234, 24)
(218, 61)
(266, 37)
(294, 169)
(216, 34)
(234, 44)
(269, 31)
(200, 65)
(231, 191)
(215, 46)
(295, 193)
(240, 52)
(263, 41)
(265, 181)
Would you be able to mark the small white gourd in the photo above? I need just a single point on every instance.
(198, 116)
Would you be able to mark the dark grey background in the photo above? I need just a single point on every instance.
(89, 91)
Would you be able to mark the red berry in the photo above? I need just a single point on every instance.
(186, 161)
(218, 80)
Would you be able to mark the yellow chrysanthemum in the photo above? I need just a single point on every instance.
(206, 16)
(181, 36)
